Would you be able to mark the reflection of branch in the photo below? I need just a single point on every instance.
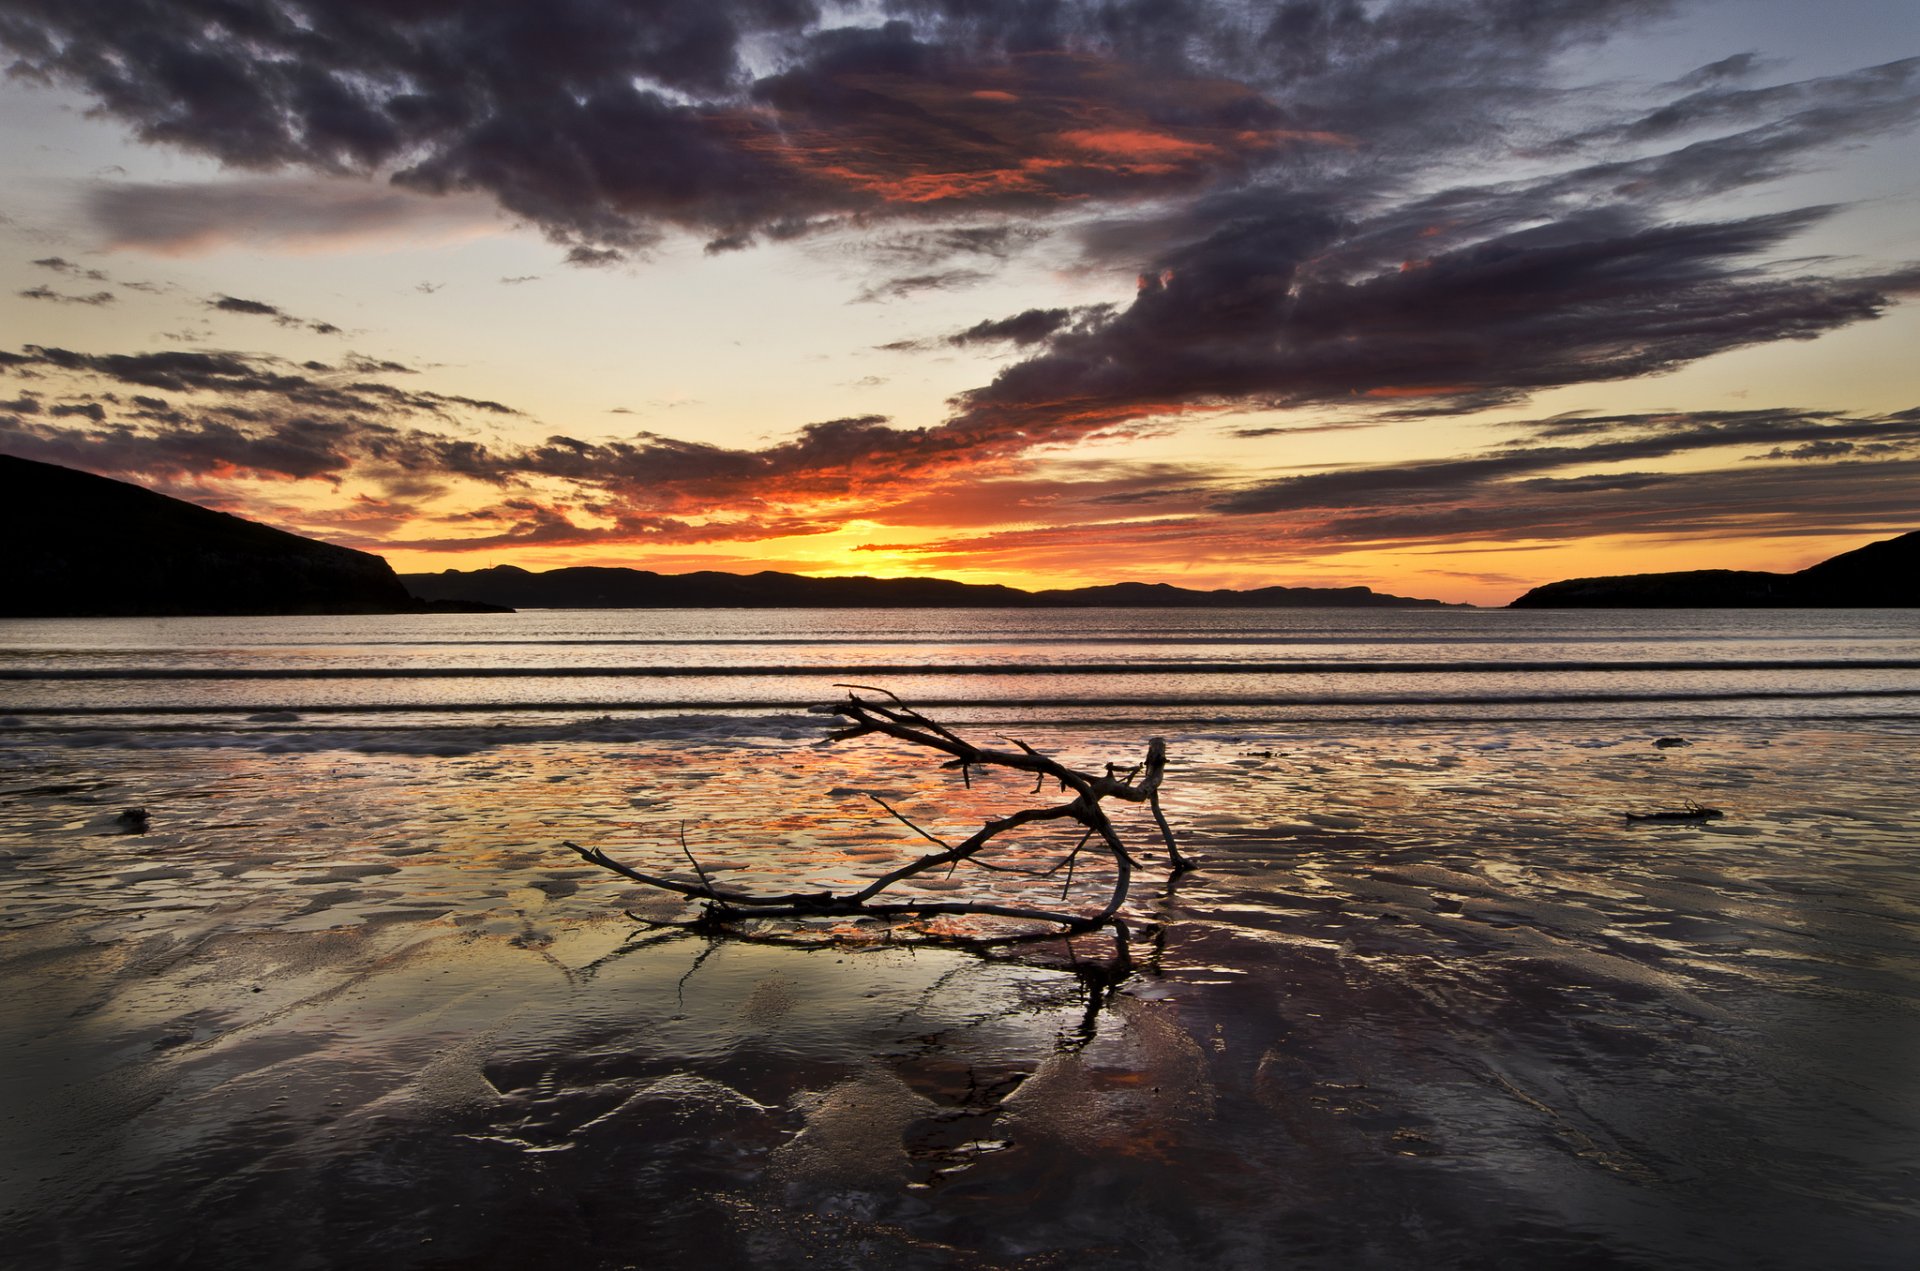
(934, 839)
(1097, 979)
(898, 720)
(700, 960)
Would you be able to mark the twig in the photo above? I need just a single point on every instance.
(705, 881)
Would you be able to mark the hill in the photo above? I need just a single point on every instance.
(1883, 575)
(612, 588)
(87, 546)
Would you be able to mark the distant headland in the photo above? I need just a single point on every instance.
(81, 546)
(1883, 575)
(592, 587)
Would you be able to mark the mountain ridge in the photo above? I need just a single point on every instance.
(617, 587)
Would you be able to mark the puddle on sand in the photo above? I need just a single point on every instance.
(1431, 1001)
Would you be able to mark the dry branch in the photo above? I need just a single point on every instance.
(896, 719)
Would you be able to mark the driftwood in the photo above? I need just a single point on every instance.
(895, 718)
(1691, 812)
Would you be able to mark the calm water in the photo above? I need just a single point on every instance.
(1170, 665)
(1431, 1000)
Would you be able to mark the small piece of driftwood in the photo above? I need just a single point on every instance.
(1692, 812)
(896, 719)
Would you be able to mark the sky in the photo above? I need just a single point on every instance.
(1449, 298)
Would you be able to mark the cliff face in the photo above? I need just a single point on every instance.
(1883, 575)
(84, 546)
(602, 588)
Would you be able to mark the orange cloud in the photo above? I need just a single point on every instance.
(1134, 143)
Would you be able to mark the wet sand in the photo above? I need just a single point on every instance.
(1431, 1001)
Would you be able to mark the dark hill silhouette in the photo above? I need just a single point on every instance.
(606, 588)
(1883, 575)
(86, 546)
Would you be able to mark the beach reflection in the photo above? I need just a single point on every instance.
(1430, 999)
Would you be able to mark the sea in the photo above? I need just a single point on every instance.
(1518, 939)
(230, 675)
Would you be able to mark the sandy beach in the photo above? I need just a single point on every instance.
(1431, 1000)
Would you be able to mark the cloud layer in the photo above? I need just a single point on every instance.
(430, 475)
(1401, 209)
(604, 120)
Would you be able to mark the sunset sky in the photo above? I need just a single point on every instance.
(1448, 298)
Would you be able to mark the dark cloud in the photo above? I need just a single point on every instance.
(930, 247)
(61, 265)
(1029, 327)
(1621, 439)
(1295, 289)
(1250, 154)
(360, 364)
(1761, 500)
(1733, 67)
(237, 376)
(1796, 116)
(593, 257)
(606, 120)
(1052, 494)
(276, 212)
(232, 304)
(899, 288)
(1263, 310)
(527, 522)
(259, 308)
(186, 450)
(1810, 450)
(43, 292)
(243, 415)
(1289, 430)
